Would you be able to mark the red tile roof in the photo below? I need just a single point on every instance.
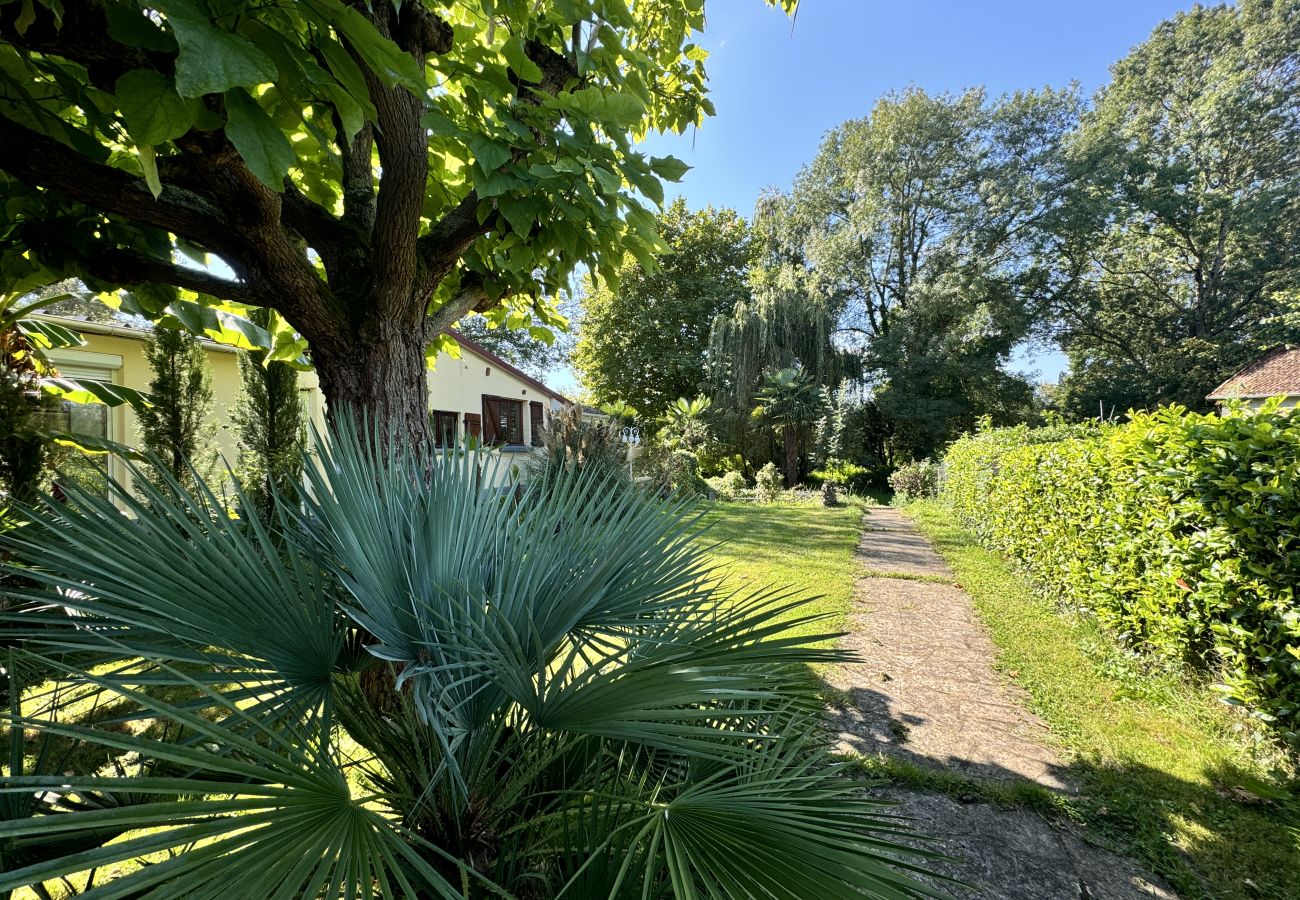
(1276, 372)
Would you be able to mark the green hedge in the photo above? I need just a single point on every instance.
(1178, 531)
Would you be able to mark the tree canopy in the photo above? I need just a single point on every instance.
(645, 331)
(1180, 238)
(370, 172)
(917, 231)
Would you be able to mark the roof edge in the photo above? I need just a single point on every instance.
(484, 353)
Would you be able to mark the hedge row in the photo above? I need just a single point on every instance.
(1178, 531)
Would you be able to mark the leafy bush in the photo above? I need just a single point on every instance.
(728, 486)
(413, 686)
(672, 471)
(914, 481)
(1177, 530)
(854, 478)
(768, 484)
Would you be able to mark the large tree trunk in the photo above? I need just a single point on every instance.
(791, 456)
(381, 379)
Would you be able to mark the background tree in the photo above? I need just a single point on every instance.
(645, 331)
(1181, 237)
(791, 401)
(270, 423)
(373, 172)
(782, 324)
(919, 227)
(177, 429)
(684, 425)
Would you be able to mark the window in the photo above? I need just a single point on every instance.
(503, 420)
(535, 422)
(89, 420)
(443, 424)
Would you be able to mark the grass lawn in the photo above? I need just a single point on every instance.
(1165, 773)
(807, 547)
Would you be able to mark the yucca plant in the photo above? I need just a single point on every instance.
(413, 686)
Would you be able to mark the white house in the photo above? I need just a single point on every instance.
(476, 400)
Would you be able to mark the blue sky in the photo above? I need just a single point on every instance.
(779, 87)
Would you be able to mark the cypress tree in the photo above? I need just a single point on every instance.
(271, 421)
(178, 429)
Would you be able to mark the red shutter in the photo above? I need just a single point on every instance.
(535, 423)
(474, 427)
(491, 420)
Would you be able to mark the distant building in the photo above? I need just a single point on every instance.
(1275, 374)
(476, 400)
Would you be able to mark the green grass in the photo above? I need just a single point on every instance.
(803, 546)
(1008, 794)
(1165, 773)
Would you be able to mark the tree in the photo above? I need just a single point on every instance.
(271, 424)
(645, 331)
(920, 228)
(1181, 237)
(684, 426)
(584, 711)
(177, 429)
(372, 172)
(791, 401)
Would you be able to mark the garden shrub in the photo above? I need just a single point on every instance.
(1179, 531)
(914, 480)
(854, 478)
(672, 470)
(727, 487)
(768, 484)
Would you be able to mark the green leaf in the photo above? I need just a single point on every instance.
(524, 67)
(489, 154)
(211, 59)
(622, 109)
(385, 59)
(265, 149)
(149, 165)
(669, 168)
(88, 390)
(153, 111)
(521, 213)
(50, 336)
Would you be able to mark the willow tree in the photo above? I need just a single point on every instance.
(783, 323)
(371, 171)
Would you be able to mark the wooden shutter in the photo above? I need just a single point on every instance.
(474, 427)
(491, 420)
(535, 422)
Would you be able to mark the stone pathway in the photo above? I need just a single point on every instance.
(925, 690)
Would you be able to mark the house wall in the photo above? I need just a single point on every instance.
(456, 385)
(1254, 404)
(120, 357)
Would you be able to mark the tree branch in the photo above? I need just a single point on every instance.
(42, 161)
(127, 268)
(441, 249)
(470, 298)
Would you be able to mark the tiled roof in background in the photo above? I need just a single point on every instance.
(1276, 372)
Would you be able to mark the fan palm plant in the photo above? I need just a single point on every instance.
(790, 400)
(411, 686)
(684, 426)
